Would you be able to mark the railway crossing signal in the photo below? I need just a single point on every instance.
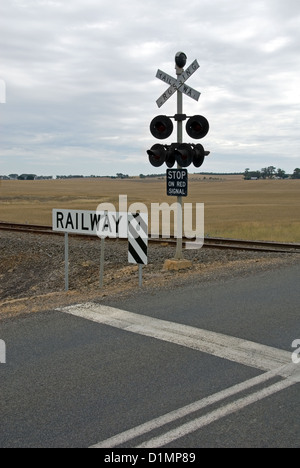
(162, 127)
(184, 154)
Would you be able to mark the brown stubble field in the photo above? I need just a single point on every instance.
(253, 210)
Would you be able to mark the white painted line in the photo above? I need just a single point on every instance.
(223, 346)
(275, 361)
(161, 421)
(198, 423)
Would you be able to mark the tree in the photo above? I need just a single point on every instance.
(248, 175)
(296, 174)
(268, 172)
(27, 177)
(281, 174)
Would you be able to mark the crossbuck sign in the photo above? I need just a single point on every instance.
(178, 84)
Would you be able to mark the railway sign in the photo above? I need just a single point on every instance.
(177, 182)
(95, 223)
(178, 84)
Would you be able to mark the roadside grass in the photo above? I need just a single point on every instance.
(258, 231)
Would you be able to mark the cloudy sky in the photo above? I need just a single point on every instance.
(81, 88)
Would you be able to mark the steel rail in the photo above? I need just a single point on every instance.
(209, 242)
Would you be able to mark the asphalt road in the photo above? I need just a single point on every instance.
(156, 376)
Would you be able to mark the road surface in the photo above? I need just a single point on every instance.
(208, 365)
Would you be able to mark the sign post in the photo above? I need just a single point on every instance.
(178, 254)
(66, 261)
(102, 261)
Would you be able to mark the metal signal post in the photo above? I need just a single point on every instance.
(178, 254)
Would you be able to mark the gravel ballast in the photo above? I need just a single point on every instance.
(32, 270)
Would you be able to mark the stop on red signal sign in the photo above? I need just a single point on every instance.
(177, 182)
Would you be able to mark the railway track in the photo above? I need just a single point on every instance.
(209, 242)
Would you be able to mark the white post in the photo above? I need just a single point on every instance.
(102, 261)
(140, 275)
(66, 261)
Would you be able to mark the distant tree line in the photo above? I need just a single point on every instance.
(270, 173)
(265, 173)
(26, 177)
(71, 176)
(143, 176)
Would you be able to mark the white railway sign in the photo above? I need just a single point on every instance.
(178, 84)
(97, 223)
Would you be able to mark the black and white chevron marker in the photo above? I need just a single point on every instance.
(138, 238)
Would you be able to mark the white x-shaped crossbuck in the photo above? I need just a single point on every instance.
(178, 84)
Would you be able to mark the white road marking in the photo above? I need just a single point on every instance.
(213, 416)
(275, 361)
(227, 347)
(161, 421)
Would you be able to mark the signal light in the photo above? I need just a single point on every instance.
(180, 59)
(160, 154)
(183, 154)
(197, 127)
(161, 127)
(170, 157)
(199, 155)
(157, 155)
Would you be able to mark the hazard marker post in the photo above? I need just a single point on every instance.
(138, 241)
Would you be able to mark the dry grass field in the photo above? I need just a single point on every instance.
(253, 210)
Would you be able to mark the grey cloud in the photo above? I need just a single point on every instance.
(81, 80)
